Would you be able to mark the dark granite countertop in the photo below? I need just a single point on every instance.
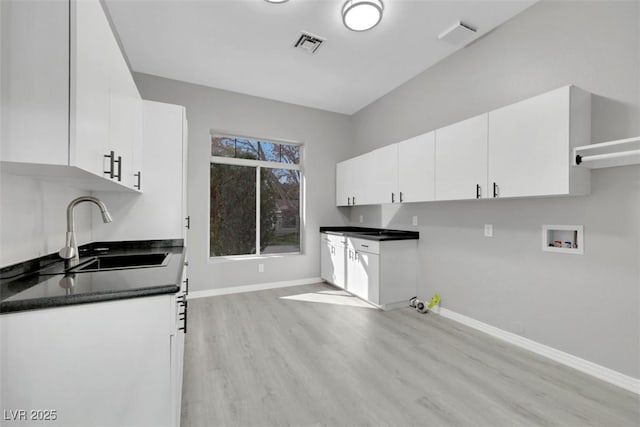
(42, 283)
(377, 234)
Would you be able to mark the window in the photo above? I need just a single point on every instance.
(255, 197)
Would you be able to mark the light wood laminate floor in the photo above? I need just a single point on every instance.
(314, 356)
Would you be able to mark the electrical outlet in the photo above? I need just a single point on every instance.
(260, 268)
(414, 220)
(488, 230)
(361, 219)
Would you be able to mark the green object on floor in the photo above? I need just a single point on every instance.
(434, 301)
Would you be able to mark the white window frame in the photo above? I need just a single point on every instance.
(258, 165)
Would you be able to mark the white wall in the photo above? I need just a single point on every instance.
(326, 136)
(586, 305)
(33, 218)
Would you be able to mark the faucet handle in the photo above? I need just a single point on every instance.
(67, 252)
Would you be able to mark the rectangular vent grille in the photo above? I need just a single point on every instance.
(308, 42)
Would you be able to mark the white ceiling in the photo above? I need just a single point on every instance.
(246, 46)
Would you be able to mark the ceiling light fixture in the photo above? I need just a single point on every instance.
(362, 15)
(276, 1)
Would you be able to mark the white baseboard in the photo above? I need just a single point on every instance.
(609, 375)
(251, 288)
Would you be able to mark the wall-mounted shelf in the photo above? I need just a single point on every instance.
(568, 239)
(622, 152)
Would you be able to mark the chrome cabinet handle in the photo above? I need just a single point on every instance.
(496, 190)
(401, 197)
(477, 191)
(139, 179)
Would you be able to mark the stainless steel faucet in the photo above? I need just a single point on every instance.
(70, 250)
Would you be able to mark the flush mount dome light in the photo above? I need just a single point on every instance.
(362, 15)
(276, 1)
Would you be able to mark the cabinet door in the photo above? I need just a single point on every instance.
(35, 82)
(91, 53)
(343, 186)
(105, 363)
(339, 266)
(529, 146)
(360, 176)
(357, 282)
(383, 175)
(326, 261)
(416, 168)
(125, 118)
(158, 212)
(185, 166)
(332, 262)
(363, 274)
(461, 160)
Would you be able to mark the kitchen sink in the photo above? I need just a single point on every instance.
(121, 262)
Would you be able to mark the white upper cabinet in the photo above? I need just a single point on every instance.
(522, 150)
(530, 144)
(382, 169)
(401, 172)
(416, 172)
(353, 181)
(160, 212)
(35, 81)
(461, 160)
(344, 189)
(90, 99)
(67, 94)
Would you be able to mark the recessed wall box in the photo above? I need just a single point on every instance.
(568, 239)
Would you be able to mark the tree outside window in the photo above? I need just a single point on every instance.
(255, 197)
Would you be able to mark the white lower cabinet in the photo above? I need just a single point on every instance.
(381, 272)
(179, 330)
(100, 364)
(332, 256)
(363, 274)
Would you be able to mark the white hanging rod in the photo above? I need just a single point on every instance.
(595, 157)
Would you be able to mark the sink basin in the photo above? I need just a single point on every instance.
(121, 262)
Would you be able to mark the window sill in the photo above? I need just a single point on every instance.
(230, 258)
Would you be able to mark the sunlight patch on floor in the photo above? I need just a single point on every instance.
(336, 297)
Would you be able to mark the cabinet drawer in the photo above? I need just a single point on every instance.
(363, 245)
(334, 239)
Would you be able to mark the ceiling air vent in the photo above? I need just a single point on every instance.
(308, 42)
(458, 33)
